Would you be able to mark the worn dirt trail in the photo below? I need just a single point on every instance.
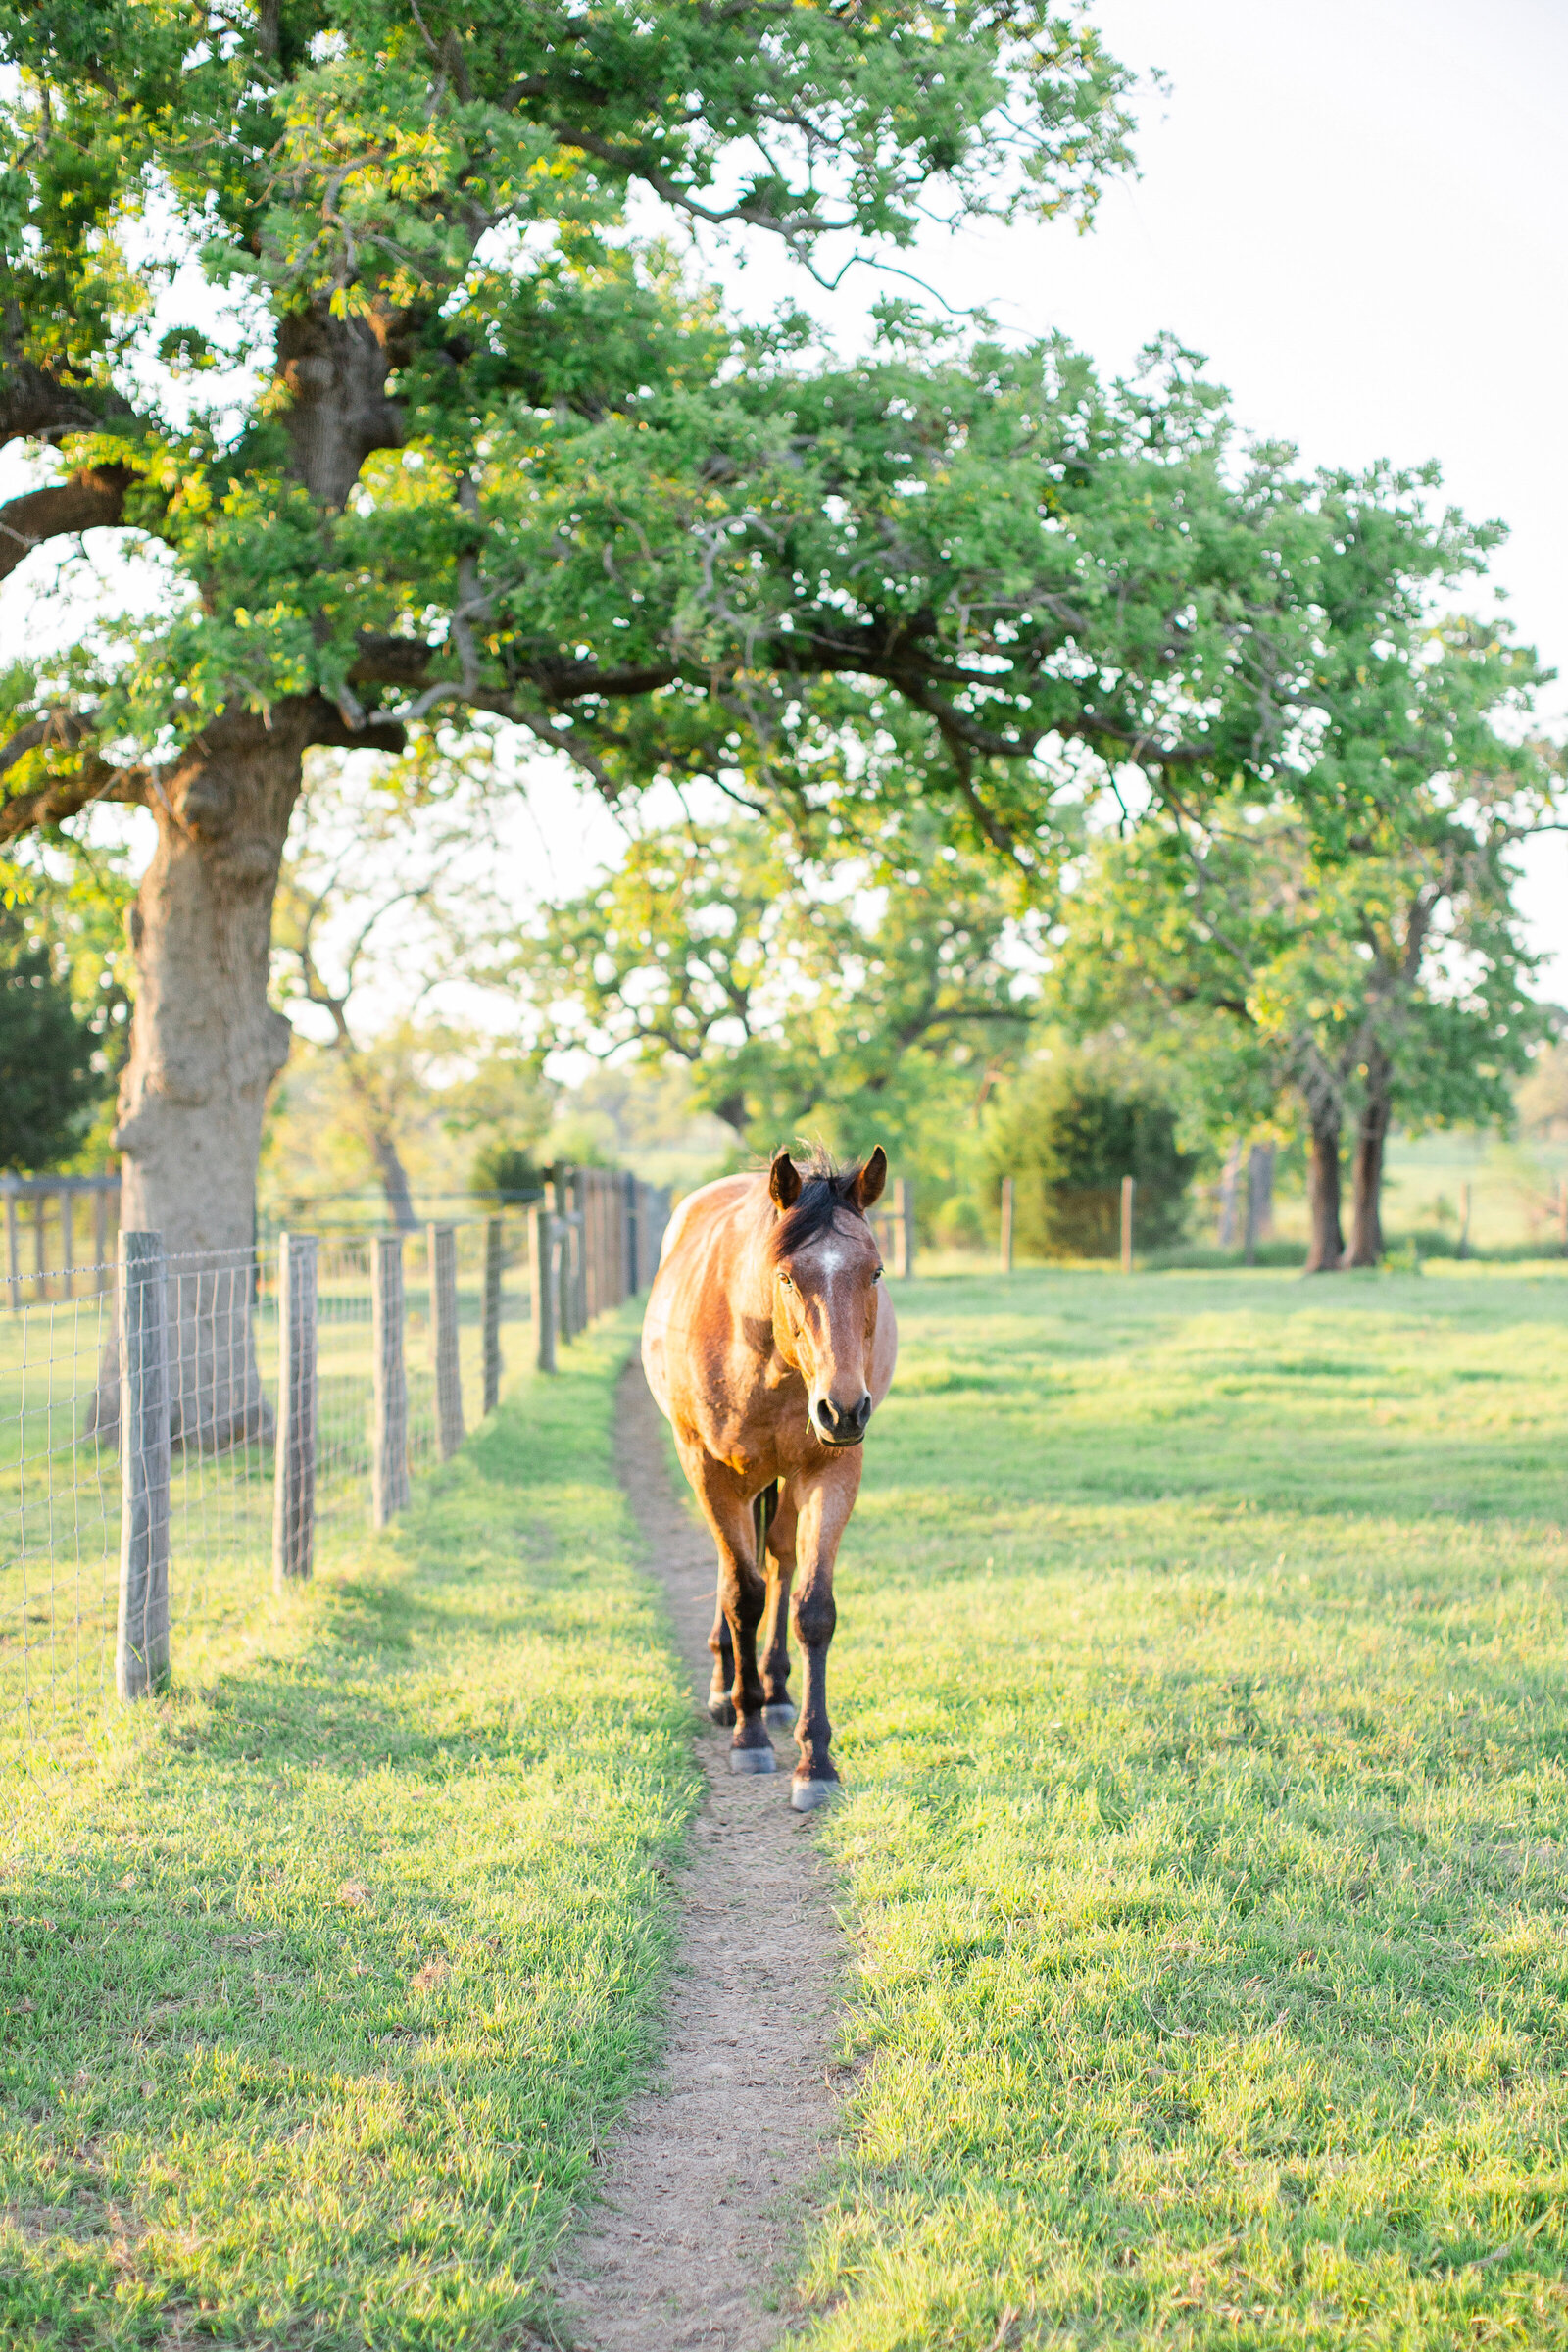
(706, 2183)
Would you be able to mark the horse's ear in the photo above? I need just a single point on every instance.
(872, 1177)
(784, 1182)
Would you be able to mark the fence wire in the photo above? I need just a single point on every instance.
(61, 1468)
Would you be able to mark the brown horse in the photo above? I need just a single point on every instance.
(767, 1343)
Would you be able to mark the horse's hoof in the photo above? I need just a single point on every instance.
(779, 1710)
(721, 1710)
(753, 1759)
(807, 1796)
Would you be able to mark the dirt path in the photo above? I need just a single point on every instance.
(704, 2188)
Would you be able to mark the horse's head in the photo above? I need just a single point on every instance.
(826, 1266)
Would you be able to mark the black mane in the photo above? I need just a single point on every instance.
(825, 1191)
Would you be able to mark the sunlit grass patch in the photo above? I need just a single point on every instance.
(322, 1981)
(1201, 1686)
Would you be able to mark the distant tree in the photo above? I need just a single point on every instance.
(876, 995)
(49, 1079)
(358, 876)
(1376, 978)
(1067, 1130)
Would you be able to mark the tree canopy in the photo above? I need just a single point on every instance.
(371, 330)
(872, 1000)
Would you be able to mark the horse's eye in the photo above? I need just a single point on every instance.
(876, 1273)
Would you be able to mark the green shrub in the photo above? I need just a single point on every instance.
(1067, 1131)
(506, 1169)
(48, 1084)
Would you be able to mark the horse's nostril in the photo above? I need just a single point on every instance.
(862, 1412)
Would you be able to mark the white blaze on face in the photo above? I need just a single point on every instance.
(836, 1260)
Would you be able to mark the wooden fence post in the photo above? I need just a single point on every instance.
(579, 1256)
(493, 1263)
(294, 1484)
(635, 1270)
(542, 1286)
(141, 1645)
(389, 1465)
(564, 1295)
(40, 1244)
(903, 1226)
(12, 1254)
(1464, 1221)
(443, 1243)
(67, 1258)
(1006, 1224)
(100, 1226)
(1129, 1189)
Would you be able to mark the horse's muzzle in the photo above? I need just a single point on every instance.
(838, 1424)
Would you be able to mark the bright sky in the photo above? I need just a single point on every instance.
(1361, 212)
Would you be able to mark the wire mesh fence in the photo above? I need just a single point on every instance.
(183, 1432)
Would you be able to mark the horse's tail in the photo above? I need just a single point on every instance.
(764, 1510)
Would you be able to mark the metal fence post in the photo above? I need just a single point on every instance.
(542, 1286)
(493, 1260)
(389, 1469)
(444, 1340)
(1129, 1188)
(141, 1647)
(1006, 1224)
(294, 1484)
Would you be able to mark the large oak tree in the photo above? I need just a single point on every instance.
(478, 457)
(481, 453)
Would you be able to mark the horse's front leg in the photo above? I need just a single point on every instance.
(780, 1569)
(826, 1499)
(742, 1596)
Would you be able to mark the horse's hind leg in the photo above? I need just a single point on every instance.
(720, 1705)
(777, 1705)
(742, 1596)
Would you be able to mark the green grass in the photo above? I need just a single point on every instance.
(1201, 1694)
(1202, 1691)
(321, 1980)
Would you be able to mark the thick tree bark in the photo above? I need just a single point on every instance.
(204, 1048)
(1326, 1249)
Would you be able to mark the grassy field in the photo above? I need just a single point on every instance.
(319, 1984)
(1203, 1696)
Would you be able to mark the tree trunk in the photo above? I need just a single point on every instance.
(394, 1180)
(1326, 1252)
(1366, 1167)
(1225, 1234)
(204, 1048)
(1260, 1199)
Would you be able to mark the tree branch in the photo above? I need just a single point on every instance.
(62, 796)
(87, 501)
